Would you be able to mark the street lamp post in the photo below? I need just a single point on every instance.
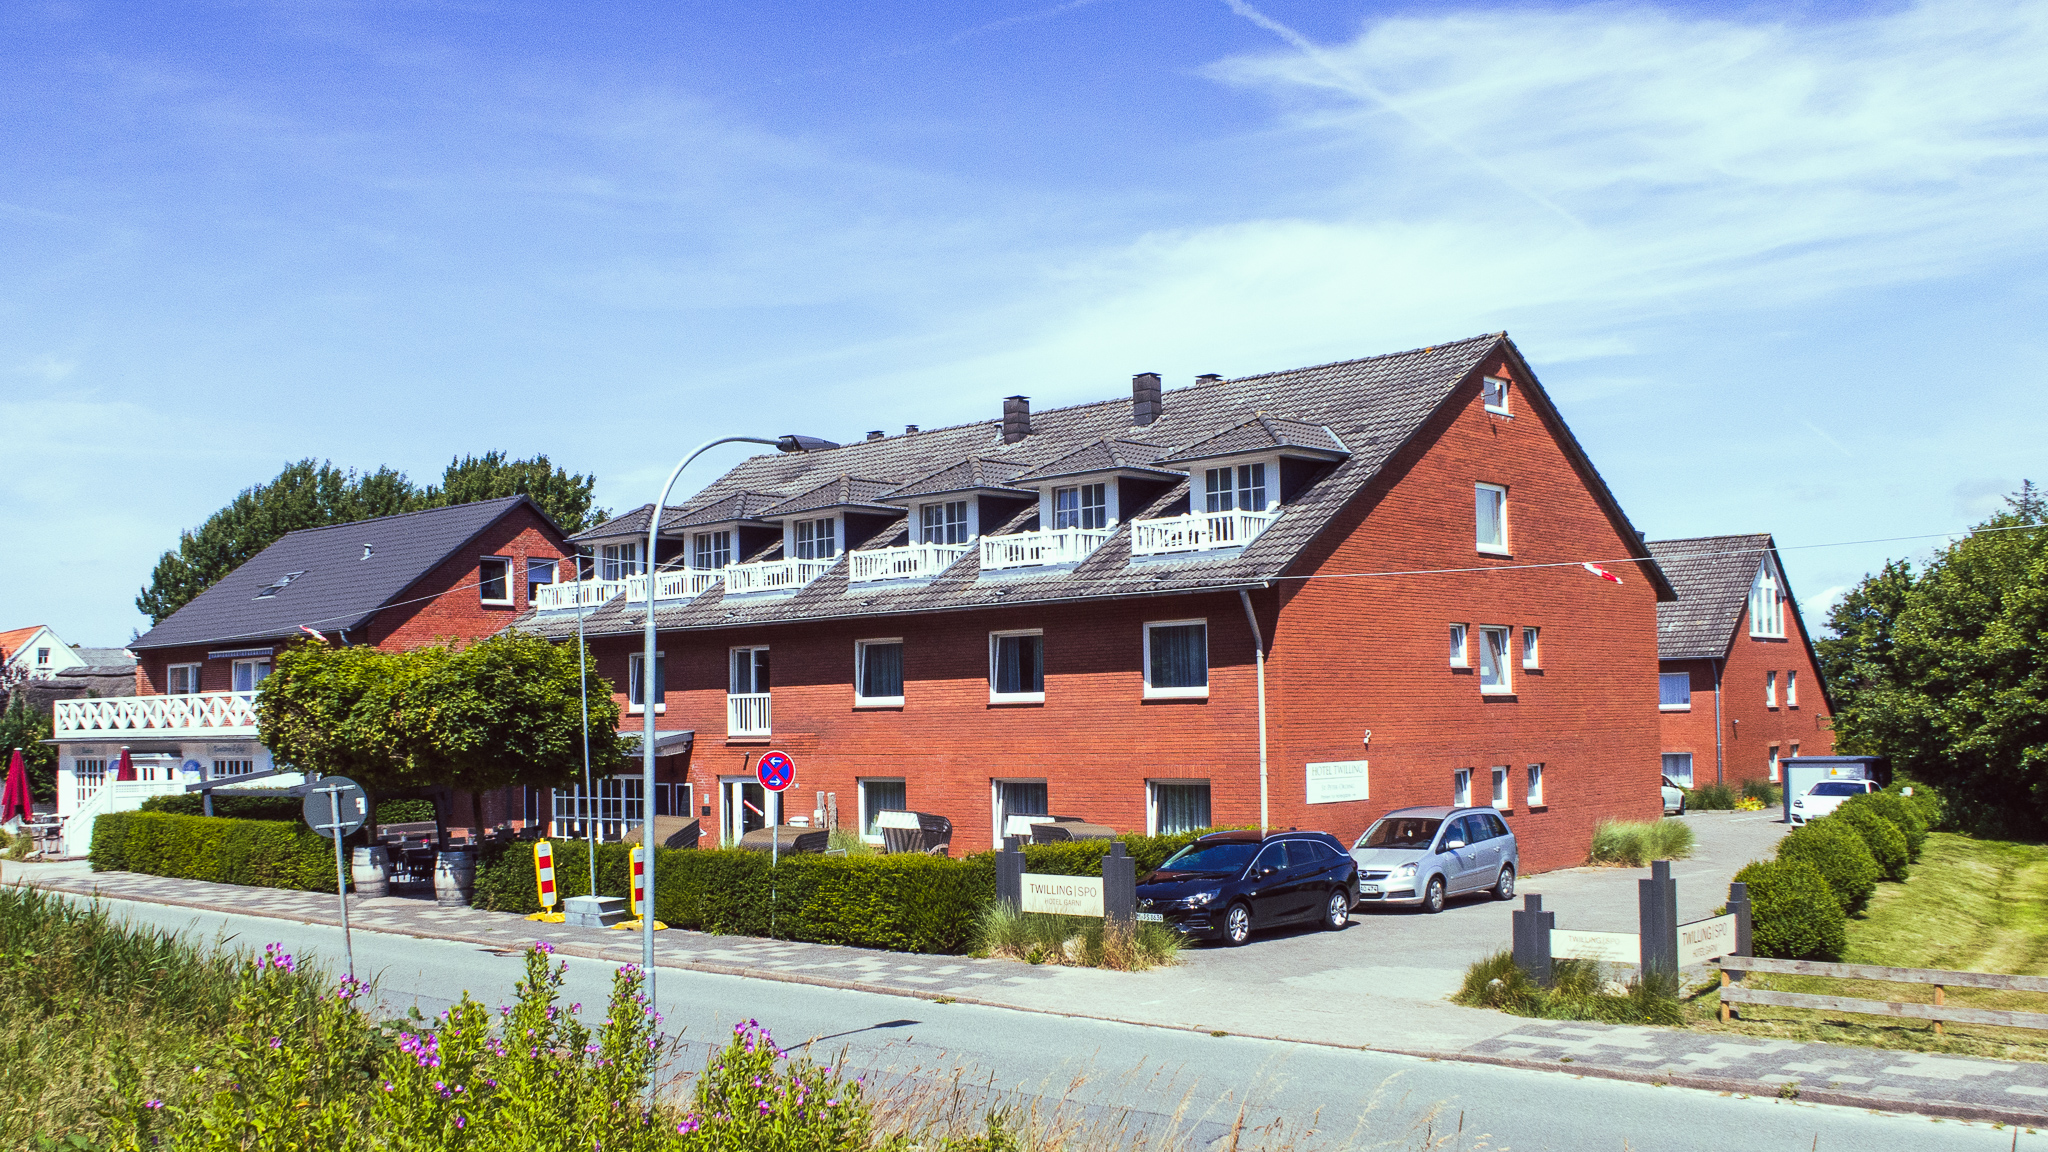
(649, 678)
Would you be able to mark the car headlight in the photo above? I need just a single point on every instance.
(1405, 872)
(1201, 899)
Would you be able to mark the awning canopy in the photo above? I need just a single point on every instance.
(665, 743)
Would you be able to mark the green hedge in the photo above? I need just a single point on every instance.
(257, 853)
(280, 807)
(1901, 811)
(1793, 912)
(1839, 855)
(1084, 857)
(1886, 843)
(1711, 798)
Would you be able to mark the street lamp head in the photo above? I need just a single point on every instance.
(795, 443)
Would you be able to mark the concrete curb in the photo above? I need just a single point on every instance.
(1951, 1110)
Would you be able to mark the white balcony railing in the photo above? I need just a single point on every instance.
(575, 594)
(1045, 546)
(201, 714)
(772, 575)
(747, 714)
(1198, 531)
(676, 584)
(903, 562)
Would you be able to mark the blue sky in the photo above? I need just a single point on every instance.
(1780, 266)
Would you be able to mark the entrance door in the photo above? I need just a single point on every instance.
(744, 806)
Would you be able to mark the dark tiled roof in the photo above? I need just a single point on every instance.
(838, 492)
(1105, 455)
(1261, 434)
(338, 588)
(737, 506)
(1372, 406)
(1713, 575)
(632, 523)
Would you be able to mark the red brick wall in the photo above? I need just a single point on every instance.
(1692, 731)
(1751, 727)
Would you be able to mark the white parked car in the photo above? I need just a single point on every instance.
(1674, 798)
(1823, 798)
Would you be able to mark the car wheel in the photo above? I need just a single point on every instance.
(1504, 889)
(1433, 896)
(1337, 913)
(1237, 925)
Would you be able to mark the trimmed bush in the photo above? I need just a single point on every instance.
(1928, 802)
(256, 853)
(1084, 857)
(1794, 914)
(1762, 791)
(1635, 844)
(1901, 811)
(279, 807)
(1886, 843)
(1711, 798)
(404, 811)
(1839, 855)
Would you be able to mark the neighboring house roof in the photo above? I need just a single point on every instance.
(106, 657)
(1370, 407)
(337, 586)
(1713, 575)
(12, 640)
(1264, 433)
(1105, 455)
(838, 492)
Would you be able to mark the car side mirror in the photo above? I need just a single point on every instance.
(1266, 871)
(1450, 844)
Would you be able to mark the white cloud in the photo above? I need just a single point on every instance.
(48, 367)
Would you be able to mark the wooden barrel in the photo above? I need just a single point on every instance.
(370, 869)
(454, 878)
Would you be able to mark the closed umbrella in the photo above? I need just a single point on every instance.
(126, 769)
(14, 798)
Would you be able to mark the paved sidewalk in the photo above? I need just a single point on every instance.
(1356, 1011)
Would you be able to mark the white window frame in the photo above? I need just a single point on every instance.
(1503, 661)
(618, 561)
(860, 658)
(753, 673)
(1500, 788)
(937, 529)
(1156, 693)
(235, 674)
(1767, 603)
(1792, 688)
(547, 566)
(1493, 393)
(1774, 764)
(1152, 798)
(816, 539)
(171, 679)
(42, 657)
(1535, 792)
(1685, 707)
(1499, 493)
(1691, 768)
(995, 799)
(511, 589)
(711, 546)
(1532, 646)
(860, 787)
(1461, 788)
(635, 660)
(995, 697)
(89, 775)
(1081, 512)
(1461, 646)
(1771, 689)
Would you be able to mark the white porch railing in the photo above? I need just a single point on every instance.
(772, 575)
(1198, 531)
(747, 714)
(575, 594)
(1045, 546)
(678, 584)
(903, 562)
(201, 714)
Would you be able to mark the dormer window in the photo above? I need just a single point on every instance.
(618, 561)
(1082, 506)
(944, 523)
(1241, 489)
(278, 585)
(816, 539)
(1494, 391)
(711, 550)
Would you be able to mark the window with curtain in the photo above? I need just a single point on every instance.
(1490, 517)
(877, 797)
(1532, 650)
(1535, 785)
(538, 572)
(711, 550)
(1500, 787)
(1770, 689)
(944, 523)
(635, 664)
(749, 671)
(1179, 807)
(1674, 690)
(1461, 788)
(1016, 664)
(1493, 660)
(879, 672)
(1177, 658)
(1019, 798)
(184, 679)
(1678, 768)
(248, 674)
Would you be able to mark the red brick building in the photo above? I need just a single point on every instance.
(1739, 686)
(1062, 612)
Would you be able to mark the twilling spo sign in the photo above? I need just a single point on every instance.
(1063, 895)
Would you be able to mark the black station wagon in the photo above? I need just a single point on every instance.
(1225, 884)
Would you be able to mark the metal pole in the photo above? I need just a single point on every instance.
(340, 879)
(583, 686)
(1259, 656)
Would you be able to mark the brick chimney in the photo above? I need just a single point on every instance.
(1145, 407)
(1016, 418)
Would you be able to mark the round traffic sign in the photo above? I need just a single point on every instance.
(775, 770)
(335, 802)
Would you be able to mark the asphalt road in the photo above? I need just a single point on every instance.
(1108, 1075)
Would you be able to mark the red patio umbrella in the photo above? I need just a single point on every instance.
(126, 768)
(14, 799)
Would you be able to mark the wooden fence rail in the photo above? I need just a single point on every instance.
(1733, 992)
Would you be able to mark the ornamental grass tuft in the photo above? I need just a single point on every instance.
(1633, 844)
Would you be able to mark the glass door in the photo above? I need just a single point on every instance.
(745, 806)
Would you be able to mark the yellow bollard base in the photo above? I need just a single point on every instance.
(550, 917)
(635, 926)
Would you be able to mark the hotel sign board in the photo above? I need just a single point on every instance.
(1063, 895)
(1336, 781)
(1703, 940)
(1609, 947)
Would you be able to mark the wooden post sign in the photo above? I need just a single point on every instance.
(1063, 895)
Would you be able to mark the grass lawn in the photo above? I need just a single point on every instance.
(1971, 906)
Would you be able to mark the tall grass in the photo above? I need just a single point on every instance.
(1631, 844)
(1080, 941)
(1579, 990)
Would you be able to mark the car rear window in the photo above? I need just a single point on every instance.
(1836, 788)
(1226, 857)
(1401, 832)
(1494, 825)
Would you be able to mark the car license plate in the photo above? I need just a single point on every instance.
(1371, 888)
(1152, 917)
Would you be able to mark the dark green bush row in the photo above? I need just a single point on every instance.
(257, 853)
(1794, 914)
(280, 807)
(1084, 857)
(1839, 855)
(1828, 869)
(901, 903)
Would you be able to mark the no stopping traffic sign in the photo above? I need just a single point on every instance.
(775, 770)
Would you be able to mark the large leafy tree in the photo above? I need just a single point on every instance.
(499, 712)
(1946, 672)
(313, 494)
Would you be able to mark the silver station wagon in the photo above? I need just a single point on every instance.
(1423, 856)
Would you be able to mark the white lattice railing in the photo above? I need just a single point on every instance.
(747, 714)
(575, 594)
(772, 575)
(1045, 546)
(903, 562)
(1198, 531)
(202, 714)
(679, 584)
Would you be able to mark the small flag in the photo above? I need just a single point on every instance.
(1602, 573)
(309, 630)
